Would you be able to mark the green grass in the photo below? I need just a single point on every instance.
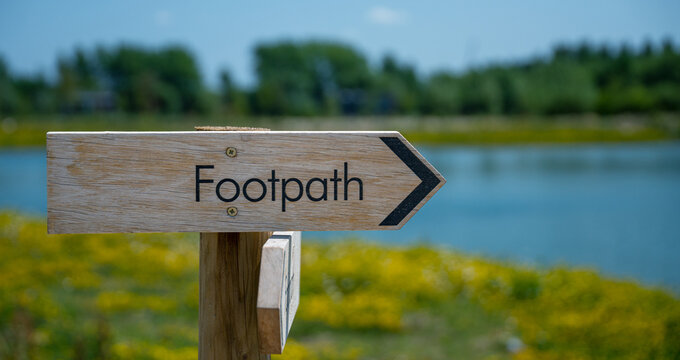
(435, 331)
(536, 136)
(136, 296)
(31, 130)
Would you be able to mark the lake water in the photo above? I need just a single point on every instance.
(615, 208)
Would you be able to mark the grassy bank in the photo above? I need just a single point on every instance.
(30, 131)
(136, 296)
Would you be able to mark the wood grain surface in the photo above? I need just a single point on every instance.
(229, 275)
(278, 296)
(108, 182)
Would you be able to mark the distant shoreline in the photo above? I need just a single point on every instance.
(26, 131)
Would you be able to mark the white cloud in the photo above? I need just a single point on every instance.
(162, 18)
(382, 15)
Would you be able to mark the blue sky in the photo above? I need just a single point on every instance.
(431, 35)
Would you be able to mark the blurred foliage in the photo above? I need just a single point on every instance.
(316, 78)
(136, 296)
(125, 78)
(307, 79)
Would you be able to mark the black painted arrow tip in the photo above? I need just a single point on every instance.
(429, 181)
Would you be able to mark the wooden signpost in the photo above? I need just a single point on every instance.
(248, 193)
(187, 181)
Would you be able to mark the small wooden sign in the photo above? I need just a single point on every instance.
(278, 294)
(103, 182)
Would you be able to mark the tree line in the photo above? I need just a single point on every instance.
(328, 78)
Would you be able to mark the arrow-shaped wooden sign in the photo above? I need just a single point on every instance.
(233, 181)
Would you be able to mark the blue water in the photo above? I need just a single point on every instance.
(23, 181)
(614, 208)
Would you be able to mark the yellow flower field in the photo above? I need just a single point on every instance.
(136, 296)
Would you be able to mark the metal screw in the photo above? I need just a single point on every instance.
(232, 211)
(231, 152)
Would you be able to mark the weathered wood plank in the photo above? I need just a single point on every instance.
(229, 274)
(279, 289)
(147, 181)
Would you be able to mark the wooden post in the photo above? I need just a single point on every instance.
(229, 275)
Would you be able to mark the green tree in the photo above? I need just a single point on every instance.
(396, 89)
(9, 98)
(308, 78)
(441, 95)
(233, 100)
(557, 88)
(35, 94)
(480, 93)
(154, 81)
